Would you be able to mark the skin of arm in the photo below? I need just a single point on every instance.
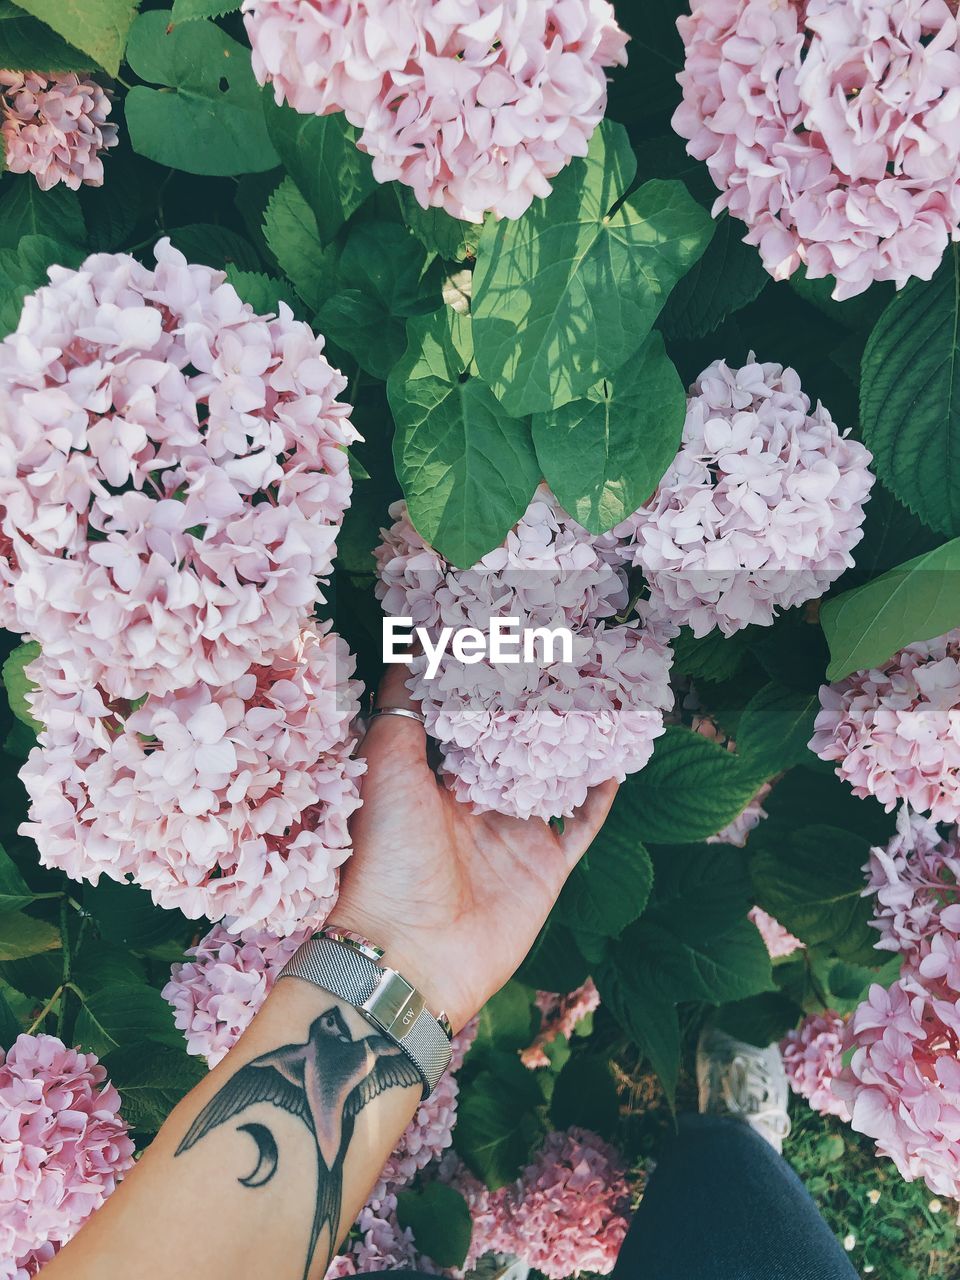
(261, 1169)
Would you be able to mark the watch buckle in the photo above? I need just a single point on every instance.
(394, 1005)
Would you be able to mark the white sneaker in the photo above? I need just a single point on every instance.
(740, 1080)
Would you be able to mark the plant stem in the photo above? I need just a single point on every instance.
(44, 1011)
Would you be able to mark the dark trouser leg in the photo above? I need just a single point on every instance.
(722, 1205)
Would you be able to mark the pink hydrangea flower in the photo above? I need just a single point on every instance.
(216, 992)
(737, 831)
(474, 105)
(569, 1210)
(778, 941)
(173, 473)
(63, 1148)
(893, 729)
(915, 884)
(560, 1014)
(812, 1055)
(527, 739)
(903, 1082)
(831, 129)
(759, 510)
(229, 801)
(377, 1242)
(55, 127)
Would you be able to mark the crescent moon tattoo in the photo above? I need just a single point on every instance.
(325, 1082)
(268, 1157)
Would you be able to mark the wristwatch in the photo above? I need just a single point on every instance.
(349, 967)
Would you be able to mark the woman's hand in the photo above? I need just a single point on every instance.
(455, 898)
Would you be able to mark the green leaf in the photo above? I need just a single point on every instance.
(604, 455)
(728, 277)
(695, 966)
(99, 964)
(291, 232)
(910, 396)
(25, 210)
(126, 914)
(493, 1123)
(18, 684)
(320, 155)
(609, 887)
(554, 962)
(712, 657)
(585, 1095)
(467, 468)
(22, 936)
(358, 323)
(507, 1020)
(690, 789)
(803, 792)
(440, 1220)
(9, 1023)
(208, 118)
(566, 294)
(262, 291)
(152, 1078)
(190, 10)
(916, 601)
(811, 880)
(761, 1020)
(98, 27)
(124, 1014)
(775, 728)
(14, 890)
(649, 1016)
(436, 229)
(215, 246)
(26, 44)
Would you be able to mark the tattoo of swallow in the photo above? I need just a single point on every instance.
(325, 1082)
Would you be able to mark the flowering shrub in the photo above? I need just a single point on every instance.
(474, 108)
(829, 130)
(64, 1148)
(405, 329)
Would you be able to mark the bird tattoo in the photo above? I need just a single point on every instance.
(325, 1082)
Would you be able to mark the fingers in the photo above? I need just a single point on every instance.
(582, 826)
(397, 734)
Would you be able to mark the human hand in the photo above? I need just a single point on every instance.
(455, 898)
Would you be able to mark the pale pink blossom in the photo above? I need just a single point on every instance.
(902, 1085)
(63, 1147)
(55, 127)
(750, 817)
(569, 1210)
(530, 738)
(560, 1014)
(894, 730)
(229, 801)
(830, 128)
(475, 105)
(778, 940)
(914, 880)
(760, 509)
(812, 1055)
(173, 473)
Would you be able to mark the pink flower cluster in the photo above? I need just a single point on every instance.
(475, 105)
(531, 738)
(560, 1014)
(568, 1211)
(226, 800)
(173, 473)
(903, 1082)
(894, 729)
(377, 1241)
(759, 510)
(55, 127)
(915, 883)
(778, 941)
(63, 1147)
(831, 129)
(812, 1055)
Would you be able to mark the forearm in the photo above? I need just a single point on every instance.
(249, 1185)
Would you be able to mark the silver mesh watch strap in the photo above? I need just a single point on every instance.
(381, 995)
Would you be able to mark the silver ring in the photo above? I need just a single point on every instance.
(399, 711)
